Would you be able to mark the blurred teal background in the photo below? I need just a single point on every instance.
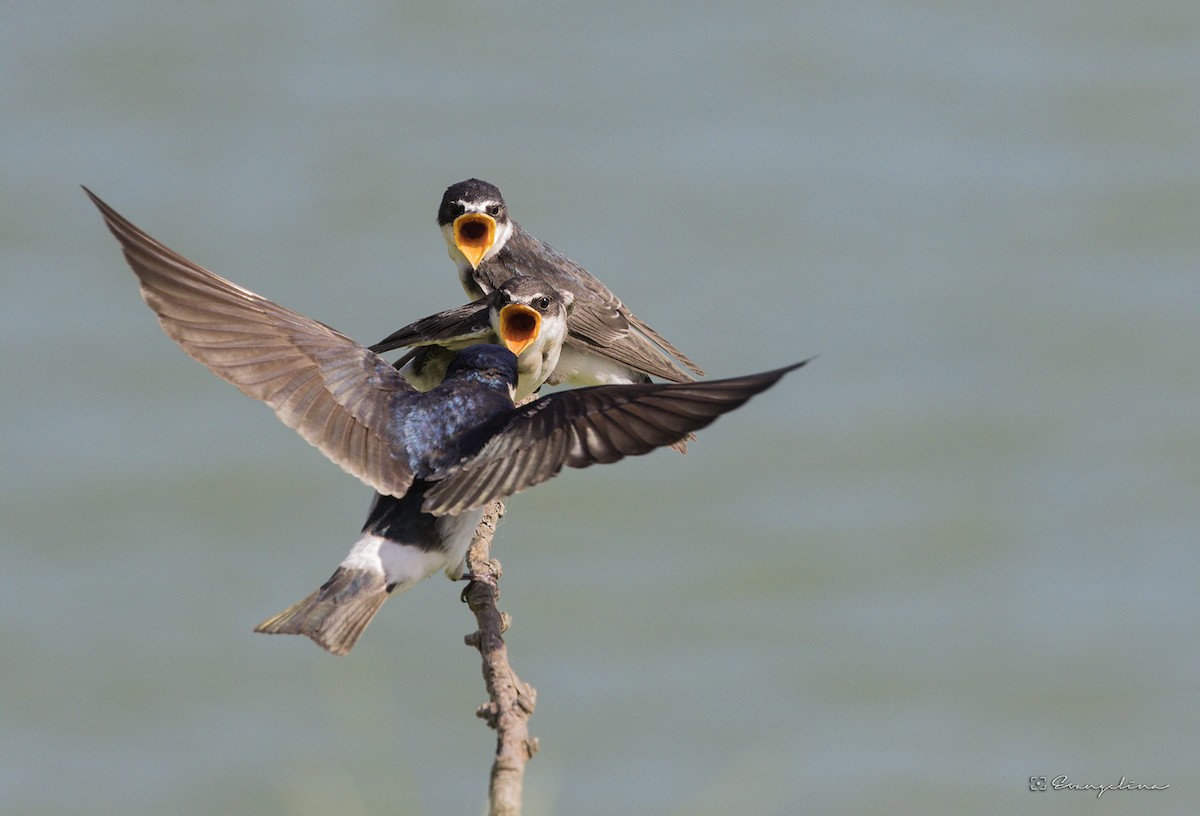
(957, 551)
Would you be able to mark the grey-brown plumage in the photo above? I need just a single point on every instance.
(606, 342)
(336, 394)
(434, 458)
(335, 615)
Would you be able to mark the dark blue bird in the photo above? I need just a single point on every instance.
(435, 458)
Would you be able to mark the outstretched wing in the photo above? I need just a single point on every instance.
(338, 395)
(587, 426)
(466, 324)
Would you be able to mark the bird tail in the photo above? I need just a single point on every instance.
(336, 614)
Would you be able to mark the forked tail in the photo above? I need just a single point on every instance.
(336, 614)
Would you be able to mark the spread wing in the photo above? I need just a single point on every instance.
(583, 427)
(338, 395)
(467, 324)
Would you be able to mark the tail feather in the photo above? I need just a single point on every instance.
(336, 614)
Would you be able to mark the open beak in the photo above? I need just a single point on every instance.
(474, 234)
(519, 326)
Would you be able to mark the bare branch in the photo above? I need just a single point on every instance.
(511, 700)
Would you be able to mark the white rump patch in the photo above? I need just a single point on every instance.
(399, 564)
(405, 564)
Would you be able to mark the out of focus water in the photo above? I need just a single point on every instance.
(959, 550)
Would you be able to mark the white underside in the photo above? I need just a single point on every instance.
(577, 368)
(405, 564)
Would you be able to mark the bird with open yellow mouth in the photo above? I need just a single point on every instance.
(526, 315)
(434, 458)
(605, 343)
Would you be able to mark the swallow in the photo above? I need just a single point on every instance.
(434, 458)
(524, 314)
(606, 343)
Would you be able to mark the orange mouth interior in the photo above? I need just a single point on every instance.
(519, 326)
(474, 234)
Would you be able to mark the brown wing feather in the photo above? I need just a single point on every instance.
(588, 426)
(466, 324)
(338, 395)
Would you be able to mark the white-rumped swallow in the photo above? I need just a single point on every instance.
(606, 343)
(434, 458)
(526, 315)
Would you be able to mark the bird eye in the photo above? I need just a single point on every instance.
(542, 303)
(493, 210)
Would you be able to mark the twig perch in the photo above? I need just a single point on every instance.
(512, 701)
